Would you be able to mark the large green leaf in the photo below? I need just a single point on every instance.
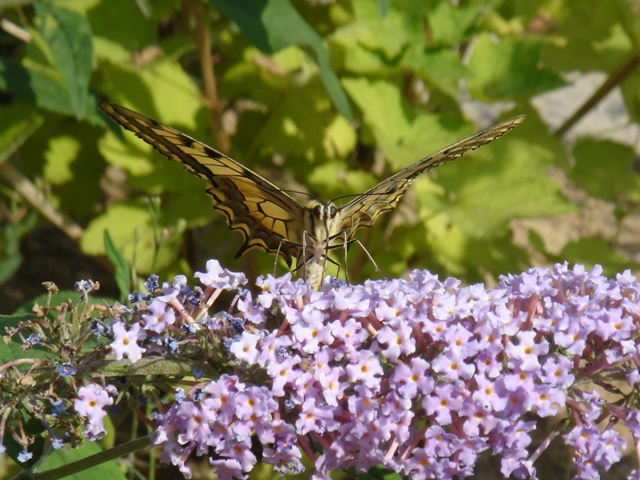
(441, 68)
(604, 169)
(68, 36)
(131, 227)
(42, 90)
(592, 251)
(450, 23)
(482, 197)
(586, 36)
(65, 456)
(403, 136)
(272, 25)
(508, 68)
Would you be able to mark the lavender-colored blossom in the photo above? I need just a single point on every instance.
(159, 317)
(419, 376)
(65, 369)
(57, 407)
(25, 455)
(152, 283)
(125, 342)
(33, 339)
(219, 277)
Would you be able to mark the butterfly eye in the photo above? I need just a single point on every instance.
(317, 211)
(333, 211)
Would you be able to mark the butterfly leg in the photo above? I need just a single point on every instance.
(275, 263)
(345, 244)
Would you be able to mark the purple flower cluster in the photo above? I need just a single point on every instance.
(419, 376)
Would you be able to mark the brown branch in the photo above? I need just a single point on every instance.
(37, 199)
(610, 83)
(223, 142)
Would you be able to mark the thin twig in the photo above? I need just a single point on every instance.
(610, 83)
(38, 201)
(223, 142)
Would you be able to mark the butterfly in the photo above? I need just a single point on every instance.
(267, 217)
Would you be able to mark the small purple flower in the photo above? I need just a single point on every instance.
(152, 283)
(57, 407)
(398, 341)
(125, 342)
(25, 455)
(83, 286)
(33, 339)
(245, 348)
(65, 369)
(159, 317)
(219, 277)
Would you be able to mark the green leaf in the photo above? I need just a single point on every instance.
(65, 456)
(592, 251)
(390, 34)
(483, 197)
(586, 36)
(272, 25)
(604, 169)
(11, 259)
(450, 23)
(383, 109)
(17, 123)
(384, 7)
(68, 36)
(441, 68)
(122, 271)
(130, 225)
(119, 28)
(470, 258)
(170, 97)
(508, 68)
(42, 90)
(12, 351)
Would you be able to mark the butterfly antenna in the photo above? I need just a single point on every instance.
(302, 194)
(375, 265)
(356, 195)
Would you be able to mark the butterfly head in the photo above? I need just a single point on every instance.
(322, 211)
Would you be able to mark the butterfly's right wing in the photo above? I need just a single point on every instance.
(266, 217)
(364, 210)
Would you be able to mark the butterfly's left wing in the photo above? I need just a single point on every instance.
(364, 210)
(266, 217)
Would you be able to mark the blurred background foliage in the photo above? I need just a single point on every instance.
(325, 98)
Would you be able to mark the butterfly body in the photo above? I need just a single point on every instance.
(268, 218)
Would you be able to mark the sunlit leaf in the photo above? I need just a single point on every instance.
(68, 36)
(272, 25)
(504, 69)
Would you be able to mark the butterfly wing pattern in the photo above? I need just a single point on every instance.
(364, 210)
(268, 218)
